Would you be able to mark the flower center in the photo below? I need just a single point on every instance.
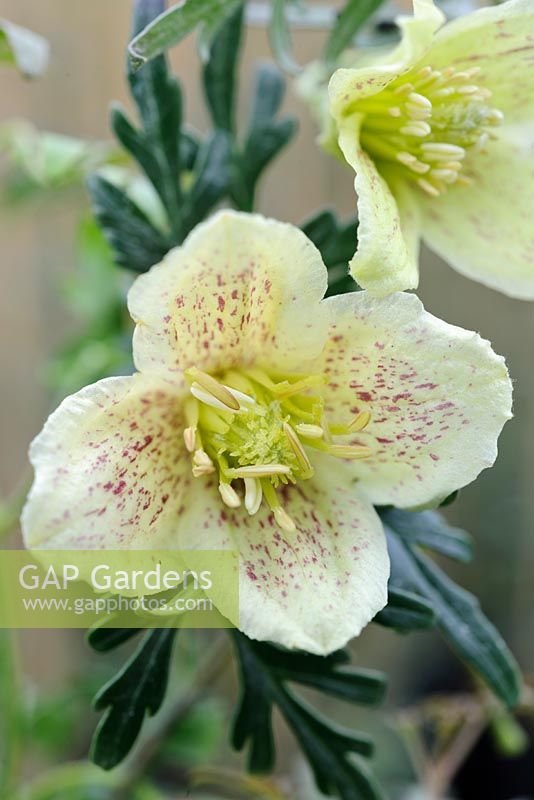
(256, 430)
(426, 121)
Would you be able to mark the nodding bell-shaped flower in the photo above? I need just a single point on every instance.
(440, 135)
(267, 420)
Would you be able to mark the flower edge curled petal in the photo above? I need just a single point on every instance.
(235, 273)
(282, 595)
(87, 461)
(437, 394)
(417, 34)
(388, 241)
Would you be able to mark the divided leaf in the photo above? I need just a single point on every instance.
(136, 691)
(219, 73)
(329, 748)
(337, 242)
(458, 614)
(136, 243)
(265, 137)
(170, 27)
(406, 612)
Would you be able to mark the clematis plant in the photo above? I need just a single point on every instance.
(266, 419)
(439, 134)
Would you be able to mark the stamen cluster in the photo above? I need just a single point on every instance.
(426, 121)
(256, 429)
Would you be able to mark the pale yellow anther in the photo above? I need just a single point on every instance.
(300, 454)
(469, 89)
(190, 436)
(405, 158)
(427, 187)
(404, 89)
(494, 117)
(253, 495)
(419, 167)
(442, 150)
(348, 451)
(419, 100)
(202, 459)
(418, 112)
(309, 431)
(214, 388)
(198, 472)
(284, 520)
(418, 128)
(241, 397)
(446, 175)
(360, 421)
(425, 72)
(259, 471)
(394, 111)
(229, 495)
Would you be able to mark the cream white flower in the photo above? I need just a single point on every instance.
(440, 136)
(268, 420)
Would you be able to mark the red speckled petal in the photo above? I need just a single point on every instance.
(439, 397)
(313, 589)
(241, 290)
(110, 468)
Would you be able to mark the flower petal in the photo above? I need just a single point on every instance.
(110, 469)
(315, 588)
(347, 86)
(386, 260)
(241, 289)
(498, 39)
(438, 395)
(485, 230)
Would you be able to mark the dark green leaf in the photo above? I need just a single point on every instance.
(350, 20)
(430, 529)
(406, 612)
(138, 690)
(157, 145)
(103, 639)
(265, 669)
(170, 27)
(459, 617)
(219, 74)
(266, 136)
(337, 241)
(280, 37)
(211, 178)
(135, 242)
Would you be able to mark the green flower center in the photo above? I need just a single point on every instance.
(256, 430)
(425, 122)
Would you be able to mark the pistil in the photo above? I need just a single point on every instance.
(259, 431)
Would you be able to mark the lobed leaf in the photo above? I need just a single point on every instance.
(137, 691)
(280, 38)
(406, 612)
(329, 748)
(173, 25)
(458, 617)
(219, 73)
(136, 243)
